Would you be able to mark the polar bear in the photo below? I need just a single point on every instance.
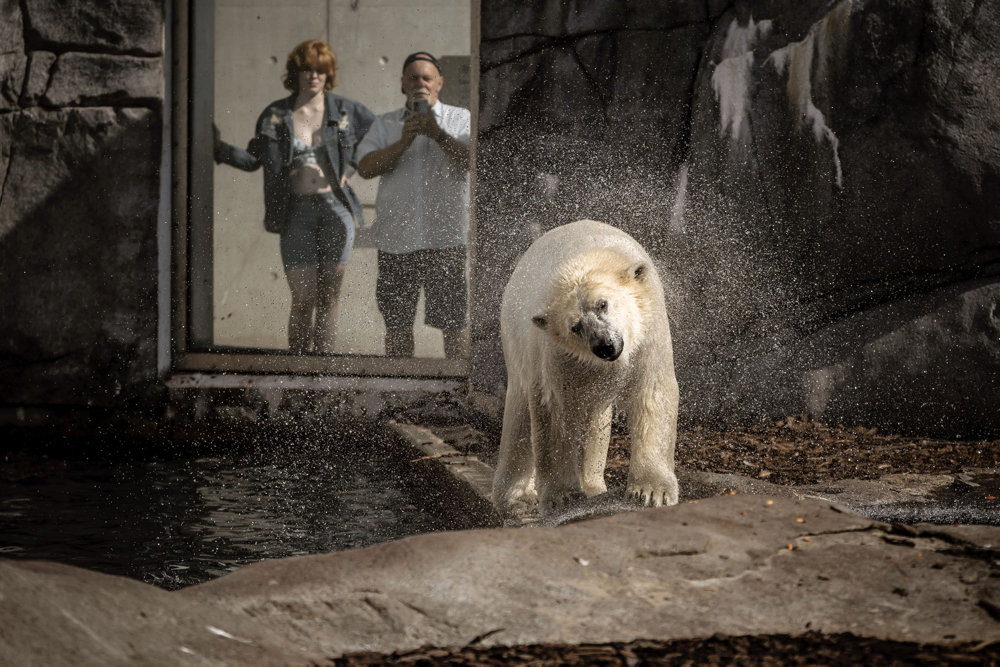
(584, 326)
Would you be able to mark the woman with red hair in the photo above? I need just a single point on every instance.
(305, 144)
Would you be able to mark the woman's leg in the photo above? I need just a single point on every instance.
(302, 282)
(334, 241)
(328, 283)
(300, 256)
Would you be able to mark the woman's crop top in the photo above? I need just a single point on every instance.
(303, 154)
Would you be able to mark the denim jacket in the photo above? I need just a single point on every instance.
(347, 122)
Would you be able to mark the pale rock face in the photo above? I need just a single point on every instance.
(731, 78)
(802, 59)
(584, 328)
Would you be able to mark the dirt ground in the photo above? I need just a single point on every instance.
(789, 451)
(796, 450)
(807, 649)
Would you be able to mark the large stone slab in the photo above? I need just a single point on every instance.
(124, 26)
(37, 78)
(729, 565)
(905, 365)
(12, 69)
(94, 79)
(12, 59)
(80, 191)
(60, 615)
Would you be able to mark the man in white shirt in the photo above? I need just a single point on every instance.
(421, 210)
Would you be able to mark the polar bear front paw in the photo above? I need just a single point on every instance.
(519, 499)
(653, 493)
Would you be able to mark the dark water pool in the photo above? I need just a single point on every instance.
(176, 518)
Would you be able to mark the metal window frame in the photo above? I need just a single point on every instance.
(190, 111)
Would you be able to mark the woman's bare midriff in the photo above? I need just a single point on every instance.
(309, 179)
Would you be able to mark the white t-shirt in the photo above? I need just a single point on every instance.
(423, 200)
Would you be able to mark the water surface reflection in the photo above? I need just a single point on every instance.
(178, 520)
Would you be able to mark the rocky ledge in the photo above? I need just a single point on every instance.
(735, 565)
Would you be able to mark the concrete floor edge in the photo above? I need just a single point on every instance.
(466, 470)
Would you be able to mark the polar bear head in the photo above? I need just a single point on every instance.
(597, 307)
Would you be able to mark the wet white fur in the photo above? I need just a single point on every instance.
(557, 417)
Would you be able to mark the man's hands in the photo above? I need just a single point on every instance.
(420, 123)
(379, 162)
(426, 124)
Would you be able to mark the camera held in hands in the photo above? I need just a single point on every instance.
(421, 106)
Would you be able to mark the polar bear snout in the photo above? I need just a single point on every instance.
(602, 337)
(607, 345)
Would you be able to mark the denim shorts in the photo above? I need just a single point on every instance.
(320, 230)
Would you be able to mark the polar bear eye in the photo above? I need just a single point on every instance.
(601, 305)
(576, 329)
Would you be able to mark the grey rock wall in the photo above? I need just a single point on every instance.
(818, 180)
(81, 90)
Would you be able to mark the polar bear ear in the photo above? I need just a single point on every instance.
(637, 271)
(540, 321)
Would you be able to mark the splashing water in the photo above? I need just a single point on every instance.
(677, 212)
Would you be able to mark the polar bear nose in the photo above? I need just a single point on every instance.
(607, 347)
